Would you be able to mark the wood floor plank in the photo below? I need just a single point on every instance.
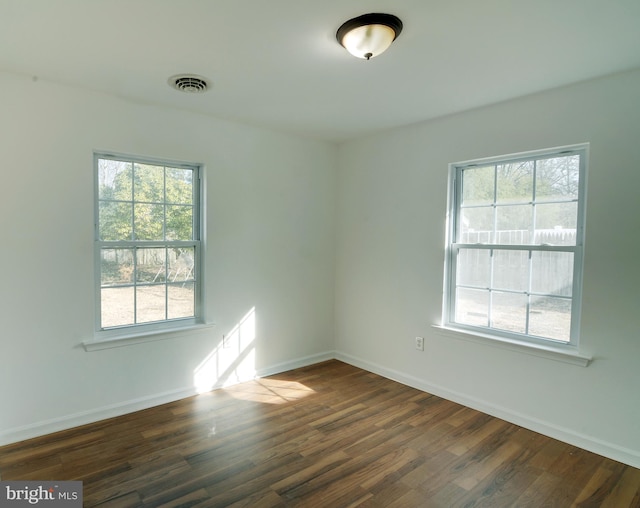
(255, 483)
(298, 478)
(267, 499)
(328, 435)
(626, 492)
(538, 492)
(598, 487)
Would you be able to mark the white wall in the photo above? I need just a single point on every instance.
(269, 225)
(390, 237)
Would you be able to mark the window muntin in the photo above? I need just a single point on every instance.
(148, 243)
(514, 259)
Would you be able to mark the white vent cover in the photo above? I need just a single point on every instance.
(189, 83)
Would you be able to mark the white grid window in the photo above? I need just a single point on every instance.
(147, 243)
(515, 246)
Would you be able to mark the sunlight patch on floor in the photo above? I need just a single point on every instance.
(270, 391)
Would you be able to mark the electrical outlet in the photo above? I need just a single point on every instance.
(420, 343)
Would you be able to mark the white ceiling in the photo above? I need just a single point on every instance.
(277, 64)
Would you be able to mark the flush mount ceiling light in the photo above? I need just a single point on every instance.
(189, 83)
(369, 35)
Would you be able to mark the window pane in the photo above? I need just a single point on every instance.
(515, 182)
(148, 183)
(552, 273)
(551, 318)
(511, 270)
(150, 303)
(114, 222)
(513, 237)
(476, 225)
(557, 178)
(474, 267)
(555, 237)
(181, 264)
(478, 185)
(114, 179)
(116, 266)
(116, 306)
(181, 300)
(509, 312)
(150, 265)
(472, 307)
(179, 186)
(513, 218)
(179, 223)
(557, 216)
(148, 222)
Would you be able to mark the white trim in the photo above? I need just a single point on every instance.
(42, 428)
(98, 343)
(91, 416)
(566, 435)
(278, 368)
(526, 155)
(197, 241)
(567, 354)
(452, 248)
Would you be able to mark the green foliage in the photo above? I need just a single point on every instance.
(510, 190)
(144, 202)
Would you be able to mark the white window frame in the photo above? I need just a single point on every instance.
(161, 329)
(493, 335)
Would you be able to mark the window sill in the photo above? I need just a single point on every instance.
(563, 354)
(97, 344)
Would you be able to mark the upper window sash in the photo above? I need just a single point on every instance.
(131, 197)
(492, 203)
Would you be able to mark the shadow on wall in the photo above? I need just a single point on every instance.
(232, 361)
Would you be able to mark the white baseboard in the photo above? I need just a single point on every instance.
(589, 443)
(296, 364)
(606, 449)
(102, 413)
(93, 415)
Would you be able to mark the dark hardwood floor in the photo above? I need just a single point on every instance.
(328, 435)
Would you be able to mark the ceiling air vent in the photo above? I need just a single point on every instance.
(189, 83)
